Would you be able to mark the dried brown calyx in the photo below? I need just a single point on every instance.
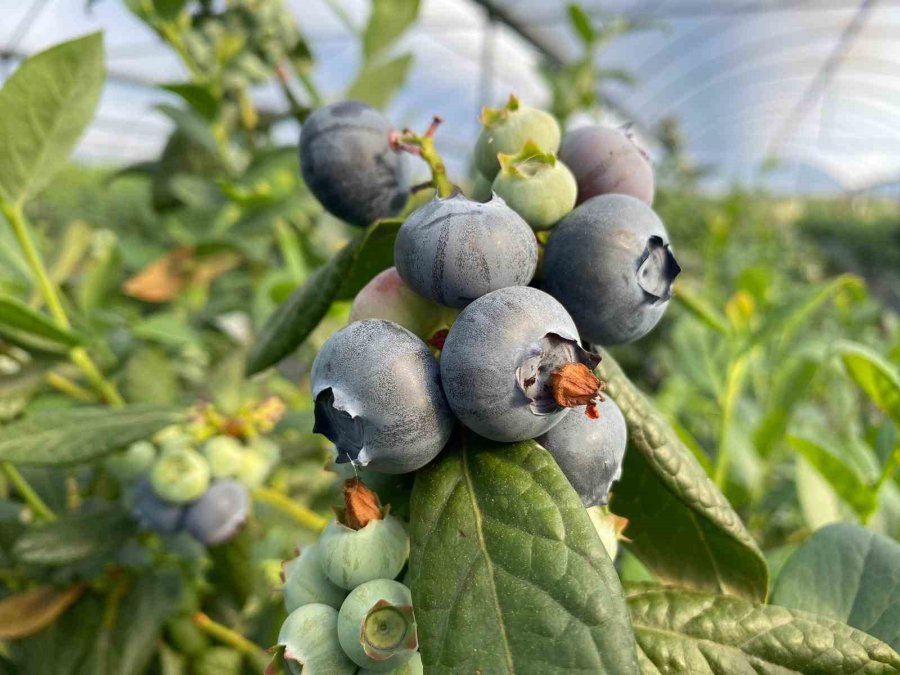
(573, 385)
(361, 505)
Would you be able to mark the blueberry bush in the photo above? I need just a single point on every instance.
(570, 416)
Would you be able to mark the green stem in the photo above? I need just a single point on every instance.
(27, 493)
(438, 170)
(733, 385)
(304, 516)
(79, 356)
(229, 637)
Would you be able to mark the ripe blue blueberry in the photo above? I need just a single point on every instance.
(590, 451)
(219, 513)
(349, 165)
(309, 637)
(152, 513)
(607, 161)
(455, 250)
(376, 625)
(305, 581)
(536, 185)
(512, 365)
(507, 129)
(609, 263)
(378, 397)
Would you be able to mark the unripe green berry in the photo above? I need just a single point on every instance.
(481, 188)
(412, 667)
(352, 557)
(305, 582)
(133, 462)
(254, 469)
(537, 186)
(180, 475)
(266, 448)
(224, 456)
(310, 640)
(376, 625)
(172, 437)
(507, 129)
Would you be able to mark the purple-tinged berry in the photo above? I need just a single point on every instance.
(219, 513)
(607, 161)
(152, 513)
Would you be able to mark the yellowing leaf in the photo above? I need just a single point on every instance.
(28, 612)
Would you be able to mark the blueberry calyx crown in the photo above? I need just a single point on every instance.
(388, 629)
(656, 271)
(558, 373)
(492, 116)
(361, 505)
(527, 162)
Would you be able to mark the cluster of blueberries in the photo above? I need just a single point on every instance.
(347, 614)
(174, 486)
(511, 319)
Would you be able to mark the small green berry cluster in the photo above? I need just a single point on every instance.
(347, 612)
(195, 476)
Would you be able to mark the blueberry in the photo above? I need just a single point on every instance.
(507, 129)
(590, 451)
(219, 513)
(349, 165)
(512, 365)
(180, 475)
(133, 462)
(224, 456)
(309, 636)
(480, 189)
(609, 263)
(455, 250)
(352, 557)
(388, 297)
(152, 513)
(607, 161)
(305, 581)
(412, 667)
(378, 397)
(376, 626)
(536, 185)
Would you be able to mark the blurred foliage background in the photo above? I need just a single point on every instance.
(771, 363)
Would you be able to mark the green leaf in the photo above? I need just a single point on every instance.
(198, 96)
(377, 84)
(581, 22)
(150, 377)
(790, 383)
(680, 631)
(30, 329)
(682, 528)
(507, 572)
(45, 106)
(27, 612)
(169, 9)
(340, 278)
(375, 255)
(848, 574)
(874, 375)
(74, 537)
(76, 435)
(702, 310)
(843, 478)
(129, 645)
(191, 125)
(387, 22)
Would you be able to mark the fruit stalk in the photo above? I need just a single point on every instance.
(423, 146)
(229, 637)
(304, 516)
